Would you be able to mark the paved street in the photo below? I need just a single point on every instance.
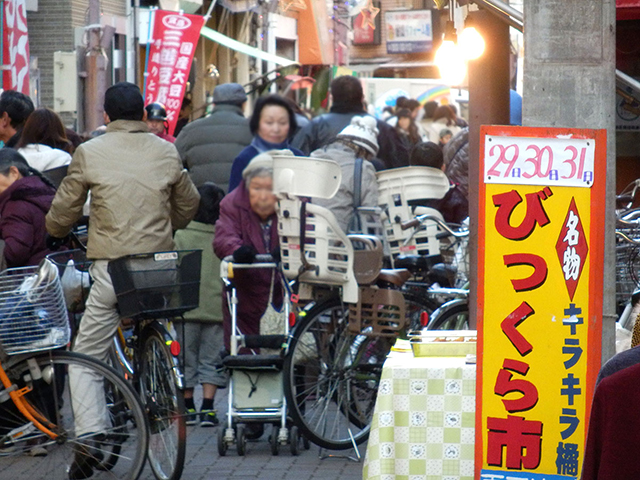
(204, 463)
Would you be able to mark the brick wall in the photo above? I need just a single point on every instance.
(50, 30)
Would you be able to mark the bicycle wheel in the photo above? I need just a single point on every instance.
(331, 377)
(452, 317)
(115, 362)
(50, 396)
(165, 407)
(415, 306)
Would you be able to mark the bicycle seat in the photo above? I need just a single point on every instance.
(396, 276)
(417, 263)
(443, 274)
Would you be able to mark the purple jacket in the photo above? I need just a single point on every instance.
(238, 225)
(23, 207)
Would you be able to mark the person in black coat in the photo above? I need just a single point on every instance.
(347, 97)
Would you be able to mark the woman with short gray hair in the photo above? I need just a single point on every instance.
(248, 226)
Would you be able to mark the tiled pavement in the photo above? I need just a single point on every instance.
(204, 463)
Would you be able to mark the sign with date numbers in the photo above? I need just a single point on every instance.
(539, 309)
(539, 161)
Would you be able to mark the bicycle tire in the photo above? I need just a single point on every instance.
(331, 394)
(415, 305)
(164, 403)
(453, 317)
(111, 458)
(51, 397)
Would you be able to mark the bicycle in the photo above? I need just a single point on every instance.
(444, 284)
(151, 290)
(36, 409)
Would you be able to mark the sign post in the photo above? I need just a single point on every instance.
(540, 269)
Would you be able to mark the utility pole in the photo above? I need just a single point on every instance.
(570, 81)
(96, 70)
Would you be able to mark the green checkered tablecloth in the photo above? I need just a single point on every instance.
(424, 419)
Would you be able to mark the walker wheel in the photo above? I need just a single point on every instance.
(294, 441)
(241, 441)
(273, 440)
(222, 444)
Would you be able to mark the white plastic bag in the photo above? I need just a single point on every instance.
(75, 285)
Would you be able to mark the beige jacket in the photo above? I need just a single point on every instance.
(139, 192)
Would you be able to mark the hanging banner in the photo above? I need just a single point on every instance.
(172, 46)
(540, 267)
(15, 51)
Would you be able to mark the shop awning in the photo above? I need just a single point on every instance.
(242, 48)
(312, 45)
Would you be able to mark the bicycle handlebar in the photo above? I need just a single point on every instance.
(627, 238)
(260, 260)
(420, 219)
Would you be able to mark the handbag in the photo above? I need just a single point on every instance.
(272, 322)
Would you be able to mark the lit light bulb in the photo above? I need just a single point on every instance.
(450, 61)
(471, 43)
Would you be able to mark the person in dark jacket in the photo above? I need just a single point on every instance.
(456, 160)
(209, 145)
(454, 206)
(347, 97)
(272, 124)
(248, 226)
(15, 108)
(25, 199)
(614, 428)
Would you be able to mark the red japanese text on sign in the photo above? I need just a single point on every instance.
(170, 55)
(539, 299)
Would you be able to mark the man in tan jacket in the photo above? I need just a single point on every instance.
(139, 195)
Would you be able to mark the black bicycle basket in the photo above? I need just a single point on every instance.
(157, 285)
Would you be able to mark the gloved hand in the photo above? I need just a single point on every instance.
(275, 253)
(54, 243)
(245, 254)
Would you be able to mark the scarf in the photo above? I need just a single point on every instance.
(263, 146)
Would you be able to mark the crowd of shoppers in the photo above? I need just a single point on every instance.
(211, 189)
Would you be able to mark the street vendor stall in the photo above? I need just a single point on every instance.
(423, 423)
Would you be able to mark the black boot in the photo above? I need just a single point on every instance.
(88, 454)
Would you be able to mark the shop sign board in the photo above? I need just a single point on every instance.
(363, 32)
(15, 49)
(409, 31)
(172, 46)
(540, 266)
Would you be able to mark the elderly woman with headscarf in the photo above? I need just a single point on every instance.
(248, 226)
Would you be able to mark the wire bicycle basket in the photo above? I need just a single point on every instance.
(627, 261)
(157, 285)
(33, 314)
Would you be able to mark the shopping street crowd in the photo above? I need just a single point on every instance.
(209, 188)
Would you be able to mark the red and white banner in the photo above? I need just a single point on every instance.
(15, 53)
(173, 45)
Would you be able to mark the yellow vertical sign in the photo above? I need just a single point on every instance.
(539, 299)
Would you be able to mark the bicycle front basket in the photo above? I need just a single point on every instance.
(157, 285)
(33, 315)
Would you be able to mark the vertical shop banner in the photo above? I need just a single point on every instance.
(173, 44)
(15, 50)
(540, 267)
